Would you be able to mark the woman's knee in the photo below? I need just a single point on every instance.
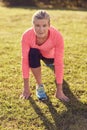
(34, 58)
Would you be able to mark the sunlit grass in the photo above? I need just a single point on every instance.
(16, 114)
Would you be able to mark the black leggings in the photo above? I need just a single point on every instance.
(35, 56)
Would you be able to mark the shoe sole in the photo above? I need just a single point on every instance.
(42, 99)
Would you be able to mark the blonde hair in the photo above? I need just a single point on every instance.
(41, 14)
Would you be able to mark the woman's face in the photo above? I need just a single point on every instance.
(41, 27)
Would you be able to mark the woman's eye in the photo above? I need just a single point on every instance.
(44, 25)
(37, 25)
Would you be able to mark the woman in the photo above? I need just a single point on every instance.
(42, 42)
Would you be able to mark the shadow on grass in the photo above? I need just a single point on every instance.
(75, 110)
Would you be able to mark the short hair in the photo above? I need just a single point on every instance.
(41, 14)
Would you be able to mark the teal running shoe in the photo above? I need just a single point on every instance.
(40, 93)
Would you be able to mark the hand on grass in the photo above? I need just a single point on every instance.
(26, 94)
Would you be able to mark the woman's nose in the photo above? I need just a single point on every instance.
(41, 28)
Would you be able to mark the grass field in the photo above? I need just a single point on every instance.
(17, 114)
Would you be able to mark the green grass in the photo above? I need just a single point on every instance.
(17, 114)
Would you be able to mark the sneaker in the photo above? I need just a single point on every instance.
(40, 93)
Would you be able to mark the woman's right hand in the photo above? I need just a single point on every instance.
(26, 92)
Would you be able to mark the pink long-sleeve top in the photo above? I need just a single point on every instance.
(52, 48)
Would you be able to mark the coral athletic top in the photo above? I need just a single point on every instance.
(53, 47)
